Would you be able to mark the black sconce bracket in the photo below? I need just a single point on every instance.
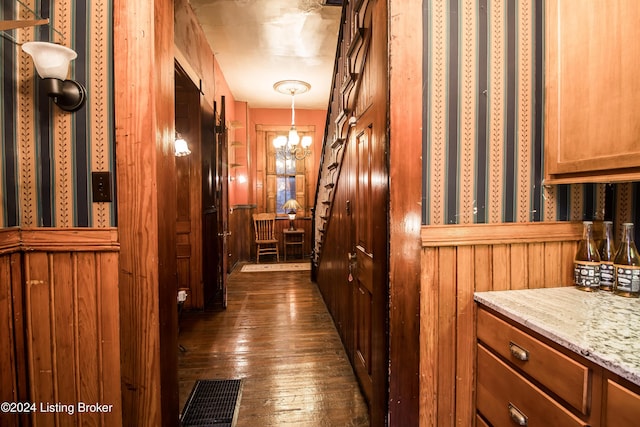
(69, 95)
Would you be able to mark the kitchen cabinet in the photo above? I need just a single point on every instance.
(525, 379)
(592, 91)
(522, 380)
(622, 404)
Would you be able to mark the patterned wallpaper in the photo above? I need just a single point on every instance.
(483, 122)
(47, 154)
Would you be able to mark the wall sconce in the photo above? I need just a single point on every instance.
(52, 64)
(291, 206)
(181, 147)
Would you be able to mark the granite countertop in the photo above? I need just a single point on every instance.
(600, 326)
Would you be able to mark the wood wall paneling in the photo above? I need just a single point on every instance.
(453, 268)
(241, 244)
(13, 387)
(59, 302)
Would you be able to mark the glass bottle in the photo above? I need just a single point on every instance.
(586, 264)
(627, 265)
(607, 251)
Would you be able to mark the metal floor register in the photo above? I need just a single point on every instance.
(212, 403)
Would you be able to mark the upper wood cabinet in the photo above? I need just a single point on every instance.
(592, 97)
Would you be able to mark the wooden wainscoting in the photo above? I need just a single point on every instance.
(241, 238)
(457, 261)
(59, 301)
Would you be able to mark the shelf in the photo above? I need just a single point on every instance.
(20, 23)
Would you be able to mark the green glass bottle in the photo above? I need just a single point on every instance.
(607, 251)
(586, 264)
(627, 265)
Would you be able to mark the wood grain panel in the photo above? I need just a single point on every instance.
(144, 116)
(578, 141)
(71, 324)
(457, 261)
(10, 353)
(466, 326)
(241, 239)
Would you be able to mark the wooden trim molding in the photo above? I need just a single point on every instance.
(504, 233)
(59, 239)
(9, 240)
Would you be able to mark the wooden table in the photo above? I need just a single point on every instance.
(293, 238)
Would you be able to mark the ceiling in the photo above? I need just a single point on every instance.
(260, 42)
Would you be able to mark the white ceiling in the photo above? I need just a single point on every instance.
(260, 42)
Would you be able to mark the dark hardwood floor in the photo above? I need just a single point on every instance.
(277, 335)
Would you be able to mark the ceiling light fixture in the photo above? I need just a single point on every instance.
(292, 147)
(52, 64)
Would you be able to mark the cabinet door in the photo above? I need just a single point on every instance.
(592, 97)
(622, 407)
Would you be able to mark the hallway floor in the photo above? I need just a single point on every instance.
(277, 335)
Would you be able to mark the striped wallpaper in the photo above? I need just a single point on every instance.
(48, 154)
(483, 121)
(482, 133)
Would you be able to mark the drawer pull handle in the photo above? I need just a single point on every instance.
(517, 416)
(518, 352)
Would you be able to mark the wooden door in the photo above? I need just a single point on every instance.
(223, 205)
(215, 220)
(210, 253)
(369, 254)
(188, 171)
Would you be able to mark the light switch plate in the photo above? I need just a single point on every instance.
(101, 186)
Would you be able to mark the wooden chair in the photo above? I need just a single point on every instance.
(266, 242)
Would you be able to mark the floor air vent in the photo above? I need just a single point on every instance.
(212, 403)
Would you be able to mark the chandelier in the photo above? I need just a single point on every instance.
(292, 146)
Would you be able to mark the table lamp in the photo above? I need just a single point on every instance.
(291, 206)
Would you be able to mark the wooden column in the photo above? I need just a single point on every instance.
(145, 167)
(405, 188)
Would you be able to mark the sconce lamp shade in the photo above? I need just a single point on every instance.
(181, 147)
(51, 60)
(52, 64)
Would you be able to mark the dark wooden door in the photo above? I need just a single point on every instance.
(210, 253)
(369, 265)
(214, 207)
(223, 206)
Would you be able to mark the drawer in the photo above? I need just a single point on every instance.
(504, 396)
(623, 406)
(563, 376)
